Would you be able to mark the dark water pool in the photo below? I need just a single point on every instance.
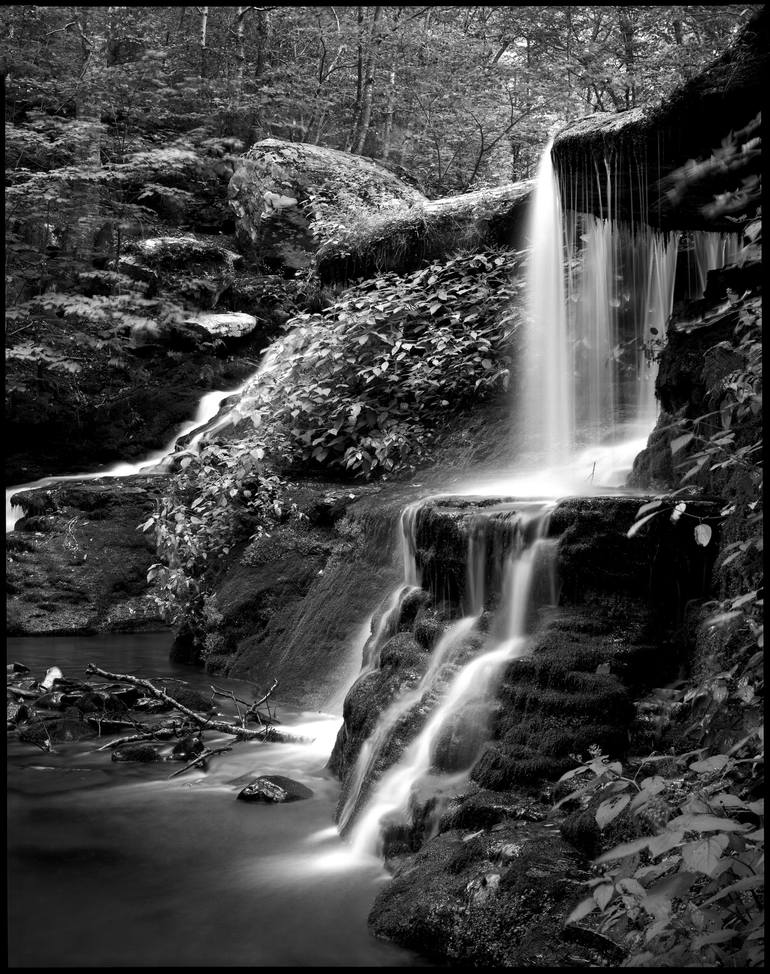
(114, 865)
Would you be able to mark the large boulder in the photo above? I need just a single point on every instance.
(289, 196)
(77, 563)
(401, 239)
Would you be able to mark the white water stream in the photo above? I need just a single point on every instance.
(474, 681)
(208, 407)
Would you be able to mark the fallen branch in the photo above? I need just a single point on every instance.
(161, 734)
(209, 752)
(216, 692)
(242, 733)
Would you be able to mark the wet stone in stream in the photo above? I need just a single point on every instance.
(274, 789)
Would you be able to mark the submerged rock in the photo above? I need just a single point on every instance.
(187, 749)
(144, 753)
(274, 789)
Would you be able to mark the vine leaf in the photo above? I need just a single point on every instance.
(703, 855)
(610, 810)
(584, 907)
(702, 534)
(680, 441)
(634, 529)
(715, 763)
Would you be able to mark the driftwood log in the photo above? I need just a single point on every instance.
(264, 733)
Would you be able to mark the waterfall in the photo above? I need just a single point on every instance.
(547, 400)
(600, 292)
(372, 747)
(711, 252)
(472, 682)
(201, 425)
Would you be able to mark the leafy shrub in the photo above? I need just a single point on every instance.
(355, 388)
(690, 892)
(215, 499)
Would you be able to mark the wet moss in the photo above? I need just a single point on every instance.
(400, 652)
(427, 631)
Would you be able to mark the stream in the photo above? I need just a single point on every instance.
(114, 865)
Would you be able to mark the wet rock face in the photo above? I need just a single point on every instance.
(495, 899)
(484, 875)
(282, 192)
(289, 604)
(78, 562)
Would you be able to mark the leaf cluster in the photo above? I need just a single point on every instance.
(357, 387)
(691, 892)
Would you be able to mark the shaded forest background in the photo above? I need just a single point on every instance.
(461, 96)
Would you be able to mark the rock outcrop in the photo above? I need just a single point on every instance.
(290, 196)
(77, 564)
(401, 240)
(702, 142)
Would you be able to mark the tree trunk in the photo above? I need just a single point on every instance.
(629, 55)
(204, 11)
(390, 111)
(357, 107)
(367, 94)
(263, 34)
(240, 51)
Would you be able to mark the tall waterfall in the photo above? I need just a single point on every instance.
(548, 401)
(600, 292)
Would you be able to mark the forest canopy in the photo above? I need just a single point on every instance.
(461, 96)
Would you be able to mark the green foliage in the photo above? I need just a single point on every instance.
(356, 387)
(216, 498)
(689, 891)
(710, 849)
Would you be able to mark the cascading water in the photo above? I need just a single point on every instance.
(201, 425)
(600, 291)
(548, 380)
(471, 683)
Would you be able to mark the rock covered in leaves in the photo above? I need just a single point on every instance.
(274, 789)
(287, 195)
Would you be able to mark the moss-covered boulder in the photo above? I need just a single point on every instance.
(497, 897)
(288, 196)
(402, 239)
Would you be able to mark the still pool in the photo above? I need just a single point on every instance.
(115, 865)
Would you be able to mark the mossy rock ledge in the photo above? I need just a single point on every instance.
(494, 886)
(699, 142)
(402, 239)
